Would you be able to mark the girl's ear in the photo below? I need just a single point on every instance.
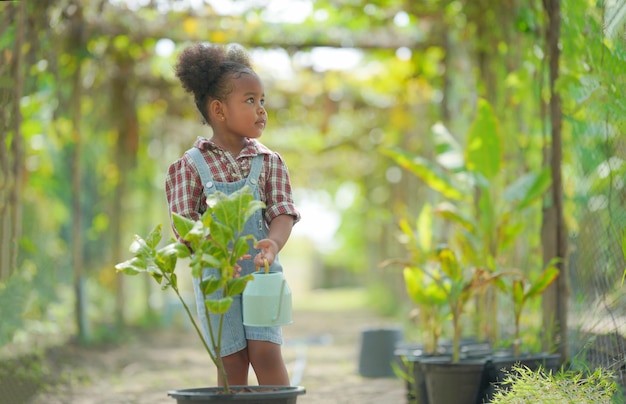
(216, 110)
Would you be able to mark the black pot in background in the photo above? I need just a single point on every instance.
(497, 367)
(450, 382)
(377, 351)
(410, 357)
(243, 394)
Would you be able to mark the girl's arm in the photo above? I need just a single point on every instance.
(280, 230)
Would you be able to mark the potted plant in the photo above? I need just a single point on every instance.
(488, 213)
(424, 293)
(488, 218)
(217, 241)
(430, 307)
(521, 289)
(459, 285)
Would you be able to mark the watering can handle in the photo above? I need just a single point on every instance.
(280, 299)
(267, 266)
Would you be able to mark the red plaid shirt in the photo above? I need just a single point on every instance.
(184, 189)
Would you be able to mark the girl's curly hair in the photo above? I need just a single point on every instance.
(205, 69)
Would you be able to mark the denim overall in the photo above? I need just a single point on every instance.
(234, 333)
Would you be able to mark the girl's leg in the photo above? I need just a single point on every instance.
(236, 366)
(267, 361)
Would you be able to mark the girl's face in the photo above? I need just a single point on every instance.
(244, 112)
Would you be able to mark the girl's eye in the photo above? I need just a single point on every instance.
(250, 100)
(262, 101)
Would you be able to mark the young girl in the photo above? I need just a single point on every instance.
(230, 97)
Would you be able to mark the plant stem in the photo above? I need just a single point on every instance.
(214, 357)
(516, 342)
(456, 351)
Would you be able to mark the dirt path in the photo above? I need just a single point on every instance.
(321, 351)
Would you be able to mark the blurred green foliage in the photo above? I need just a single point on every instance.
(420, 66)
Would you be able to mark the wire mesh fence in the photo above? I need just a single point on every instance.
(596, 264)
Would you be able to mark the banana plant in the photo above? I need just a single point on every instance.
(448, 283)
(437, 282)
(460, 285)
(521, 289)
(431, 304)
(429, 299)
(488, 215)
(213, 241)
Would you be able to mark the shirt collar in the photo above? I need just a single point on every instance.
(251, 148)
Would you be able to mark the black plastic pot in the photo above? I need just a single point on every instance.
(241, 394)
(377, 351)
(497, 367)
(409, 358)
(453, 382)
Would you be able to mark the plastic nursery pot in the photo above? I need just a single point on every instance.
(453, 382)
(241, 394)
(377, 351)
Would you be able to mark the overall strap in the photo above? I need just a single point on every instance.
(255, 170)
(202, 167)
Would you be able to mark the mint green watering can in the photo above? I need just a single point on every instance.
(267, 300)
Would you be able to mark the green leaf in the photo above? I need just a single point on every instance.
(483, 153)
(221, 234)
(196, 268)
(501, 284)
(432, 175)
(133, 266)
(157, 276)
(423, 290)
(154, 237)
(219, 306)
(210, 261)
(207, 218)
(241, 248)
(544, 280)
(196, 235)
(413, 281)
(230, 210)
(450, 213)
(166, 258)
(211, 284)
(139, 247)
(537, 188)
(236, 286)
(182, 251)
(424, 227)
(182, 224)
(407, 230)
(449, 264)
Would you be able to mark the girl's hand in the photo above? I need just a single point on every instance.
(268, 252)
